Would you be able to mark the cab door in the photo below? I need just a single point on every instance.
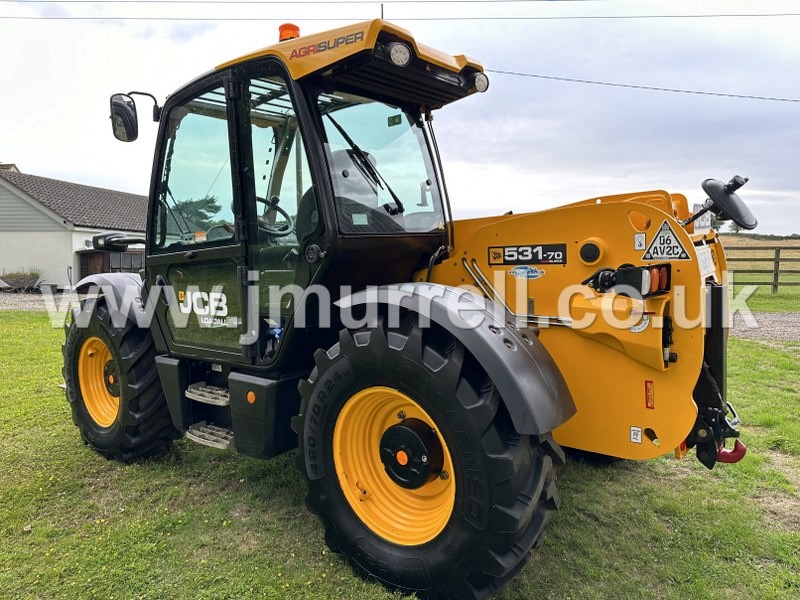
(196, 246)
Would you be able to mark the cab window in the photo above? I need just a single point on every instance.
(380, 166)
(284, 205)
(195, 195)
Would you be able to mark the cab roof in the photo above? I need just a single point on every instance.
(309, 54)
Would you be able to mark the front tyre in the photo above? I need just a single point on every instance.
(112, 385)
(414, 466)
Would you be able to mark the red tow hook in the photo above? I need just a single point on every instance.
(733, 455)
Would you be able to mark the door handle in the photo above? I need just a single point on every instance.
(190, 255)
(161, 283)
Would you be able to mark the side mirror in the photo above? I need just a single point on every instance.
(727, 204)
(115, 241)
(124, 121)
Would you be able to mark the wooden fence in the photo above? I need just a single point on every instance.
(769, 254)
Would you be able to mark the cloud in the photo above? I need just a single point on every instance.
(594, 140)
(188, 32)
(525, 144)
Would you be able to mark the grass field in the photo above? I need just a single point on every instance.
(763, 300)
(200, 523)
(788, 297)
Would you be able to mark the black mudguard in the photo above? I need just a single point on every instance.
(120, 290)
(529, 381)
(125, 296)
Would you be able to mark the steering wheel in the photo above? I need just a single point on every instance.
(219, 232)
(268, 228)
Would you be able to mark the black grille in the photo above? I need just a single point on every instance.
(414, 85)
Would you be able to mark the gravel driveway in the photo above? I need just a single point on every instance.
(761, 326)
(770, 326)
(9, 301)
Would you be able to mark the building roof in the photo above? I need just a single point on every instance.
(83, 205)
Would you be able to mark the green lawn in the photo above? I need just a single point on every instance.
(763, 300)
(750, 247)
(200, 523)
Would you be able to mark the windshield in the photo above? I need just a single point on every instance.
(383, 177)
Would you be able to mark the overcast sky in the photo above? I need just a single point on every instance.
(526, 144)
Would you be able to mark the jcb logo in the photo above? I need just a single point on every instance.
(214, 304)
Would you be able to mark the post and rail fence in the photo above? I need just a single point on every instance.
(774, 258)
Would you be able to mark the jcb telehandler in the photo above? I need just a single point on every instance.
(305, 284)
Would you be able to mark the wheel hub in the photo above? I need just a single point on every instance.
(411, 453)
(111, 378)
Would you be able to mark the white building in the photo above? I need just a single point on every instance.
(47, 225)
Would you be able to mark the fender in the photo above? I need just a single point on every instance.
(527, 378)
(128, 304)
(120, 285)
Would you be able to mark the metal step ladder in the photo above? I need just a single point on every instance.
(208, 394)
(211, 435)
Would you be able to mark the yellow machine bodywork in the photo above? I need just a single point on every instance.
(310, 53)
(632, 401)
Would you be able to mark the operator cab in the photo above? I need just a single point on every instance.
(274, 175)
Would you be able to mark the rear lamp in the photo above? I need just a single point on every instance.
(644, 284)
(655, 279)
(399, 54)
(480, 82)
(630, 280)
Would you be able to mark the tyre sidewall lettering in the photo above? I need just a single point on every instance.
(328, 394)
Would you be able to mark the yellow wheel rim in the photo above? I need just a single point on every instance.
(407, 517)
(97, 379)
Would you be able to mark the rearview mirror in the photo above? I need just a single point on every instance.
(727, 204)
(124, 121)
(115, 241)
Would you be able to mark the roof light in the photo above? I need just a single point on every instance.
(480, 82)
(288, 31)
(399, 54)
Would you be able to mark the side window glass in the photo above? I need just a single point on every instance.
(281, 168)
(195, 199)
(285, 203)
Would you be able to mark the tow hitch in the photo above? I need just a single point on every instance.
(716, 422)
(716, 417)
(738, 451)
(710, 431)
(731, 456)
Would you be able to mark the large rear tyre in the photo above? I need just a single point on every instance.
(113, 386)
(414, 466)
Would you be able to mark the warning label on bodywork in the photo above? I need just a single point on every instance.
(665, 245)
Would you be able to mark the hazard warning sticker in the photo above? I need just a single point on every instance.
(665, 245)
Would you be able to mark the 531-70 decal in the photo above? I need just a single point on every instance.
(539, 254)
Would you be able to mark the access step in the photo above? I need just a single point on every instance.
(208, 394)
(210, 435)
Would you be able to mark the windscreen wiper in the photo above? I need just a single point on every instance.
(365, 165)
